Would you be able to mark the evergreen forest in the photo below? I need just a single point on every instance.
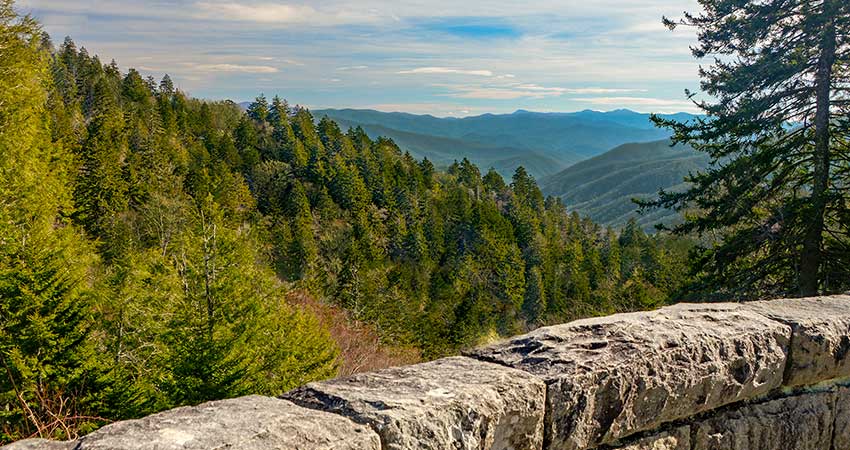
(159, 250)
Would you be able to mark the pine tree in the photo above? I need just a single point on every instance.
(101, 190)
(494, 182)
(303, 249)
(50, 383)
(259, 109)
(526, 190)
(248, 144)
(226, 336)
(534, 304)
(279, 110)
(778, 134)
(166, 86)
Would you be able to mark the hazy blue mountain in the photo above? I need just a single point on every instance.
(603, 187)
(542, 142)
(444, 150)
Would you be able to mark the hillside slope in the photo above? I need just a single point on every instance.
(544, 143)
(603, 187)
(442, 151)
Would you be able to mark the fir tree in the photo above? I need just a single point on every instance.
(52, 376)
(778, 135)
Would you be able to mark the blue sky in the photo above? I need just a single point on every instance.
(441, 57)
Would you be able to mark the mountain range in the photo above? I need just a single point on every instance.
(596, 162)
(603, 187)
(544, 143)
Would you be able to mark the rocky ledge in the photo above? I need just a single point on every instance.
(763, 375)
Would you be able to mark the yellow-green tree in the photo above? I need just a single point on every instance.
(50, 379)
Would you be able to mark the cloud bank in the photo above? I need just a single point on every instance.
(455, 57)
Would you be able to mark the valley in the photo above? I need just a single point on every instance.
(595, 162)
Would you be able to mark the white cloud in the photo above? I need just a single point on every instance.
(446, 70)
(280, 14)
(655, 104)
(510, 92)
(233, 68)
(293, 62)
(274, 13)
(567, 55)
(536, 88)
(513, 91)
(595, 90)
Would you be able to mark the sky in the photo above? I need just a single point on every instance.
(439, 57)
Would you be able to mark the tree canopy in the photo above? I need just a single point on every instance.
(150, 244)
(773, 208)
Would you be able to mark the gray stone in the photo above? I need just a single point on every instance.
(451, 403)
(39, 444)
(608, 378)
(676, 439)
(841, 439)
(246, 423)
(802, 422)
(820, 343)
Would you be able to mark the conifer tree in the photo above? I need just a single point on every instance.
(227, 335)
(248, 143)
(304, 251)
(778, 134)
(534, 304)
(279, 110)
(259, 109)
(166, 86)
(494, 182)
(100, 191)
(51, 373)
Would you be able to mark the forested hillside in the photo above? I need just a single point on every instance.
(543, 143)
(443, 151)
(603, 187)
(159, 250)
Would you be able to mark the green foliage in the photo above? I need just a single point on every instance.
(133, 276)
(51, 377)
(603, 187)
(441, 261)
(229, 332)
(148, 241)
(543, 143)
(772, 207)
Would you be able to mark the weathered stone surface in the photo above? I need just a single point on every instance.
(802, 422)
(611, 377)
(841, 436)
(39, 444)
(451, 403)
(675, 439)
(820, 343)
(246, 423)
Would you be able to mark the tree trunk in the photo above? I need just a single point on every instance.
(811, 258)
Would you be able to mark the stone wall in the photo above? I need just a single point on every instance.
(764, 375)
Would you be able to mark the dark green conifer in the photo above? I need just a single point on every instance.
(777, 130)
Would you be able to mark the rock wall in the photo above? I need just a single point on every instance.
(765, 375)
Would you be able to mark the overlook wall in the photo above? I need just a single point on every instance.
(765, 375)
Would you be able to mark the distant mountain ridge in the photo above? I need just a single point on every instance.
(544, 143)
(596, 162)
(603, 187)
